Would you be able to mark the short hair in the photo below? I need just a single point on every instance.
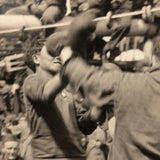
(8, 138)
(54, 44)
(34, 48)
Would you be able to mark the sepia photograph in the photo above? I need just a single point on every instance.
(79, 79)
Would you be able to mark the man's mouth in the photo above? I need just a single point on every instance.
(57, 62)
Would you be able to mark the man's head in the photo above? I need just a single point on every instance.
(47, 58)
(10, 147)
(34, 48)
(47, 62)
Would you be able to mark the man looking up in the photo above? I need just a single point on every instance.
(51, 110)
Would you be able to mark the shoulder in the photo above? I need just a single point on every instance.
(134, 81)
(138, 76)
(31, 76)
(31, 81)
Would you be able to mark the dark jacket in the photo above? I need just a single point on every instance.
(137, 106)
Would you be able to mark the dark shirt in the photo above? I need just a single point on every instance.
(137, 106)
(53, 124)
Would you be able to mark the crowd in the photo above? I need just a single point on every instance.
(71, 93)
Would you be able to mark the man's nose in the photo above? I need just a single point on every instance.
(12, 150)
(58, 58)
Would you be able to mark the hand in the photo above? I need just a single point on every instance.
(38, 9)
(33, 8)
(15, 62)
(42, 6)
(147, 15)
(51, 15)
(83, 7)
(108, 19)
(14, 88)
(65, 54)
(22, 34)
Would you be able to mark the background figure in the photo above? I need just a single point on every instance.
(97, 145)
(10, 148)
(49, 11)
(21, 129)
(121, 26)
(99, 8)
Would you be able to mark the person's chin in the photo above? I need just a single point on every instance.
(56, 69)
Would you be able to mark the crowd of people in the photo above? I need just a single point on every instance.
(71, 93)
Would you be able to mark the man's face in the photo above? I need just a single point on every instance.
(10, 150)
(49, 63)
(116, 3)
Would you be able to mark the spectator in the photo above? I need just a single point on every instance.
(49, 11)
(21, 129)
(10, 148)
(100, 7)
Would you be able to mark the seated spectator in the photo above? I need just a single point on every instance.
(49, 11)
(100, 7)
(10, 148)
(8, 4)
(21, 130)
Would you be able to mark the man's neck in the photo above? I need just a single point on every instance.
(43, 73)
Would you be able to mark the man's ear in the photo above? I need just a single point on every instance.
(35, 58)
